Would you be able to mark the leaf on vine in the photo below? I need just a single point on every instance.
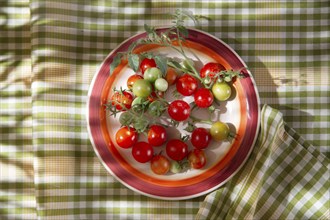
(148, 29)
(115, 62)
(134, 61)
(174, 64)
(184, 31)
(189, 14)
(132, 46)
(161, 63)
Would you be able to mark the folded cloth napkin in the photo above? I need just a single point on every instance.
(284, 178)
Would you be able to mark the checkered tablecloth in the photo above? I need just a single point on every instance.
(49, 52)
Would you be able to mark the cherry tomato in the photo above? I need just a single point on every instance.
(186, 85)
(131, 80)
(161, 84)
(171, 76)
(203, 98)
(142, 88)
(157, 135)
(152, 74)
(176, 149)
(122, 100)
(219, 131)
(200, 138)
(179, 110)
(221, 91)
(160, 165)
(126, 137)
(197, 158)
(147, 63)
(142, 152)
(210, 69)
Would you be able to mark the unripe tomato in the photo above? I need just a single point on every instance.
(219, 131)
(142, 88)
(221, 91)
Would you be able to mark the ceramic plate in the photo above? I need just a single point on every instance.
(224, 159)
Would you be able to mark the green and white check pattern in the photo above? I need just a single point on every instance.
(49, 52)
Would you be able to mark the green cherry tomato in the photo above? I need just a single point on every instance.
(151, 74)
(137, 104)
(219, 131)
(138, 101)
(161, 84)
(142, 88)
(221, 91)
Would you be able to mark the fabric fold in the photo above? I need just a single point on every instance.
(283, 179)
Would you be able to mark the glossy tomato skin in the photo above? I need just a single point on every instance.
(171, 76)
(142, 152)
(157, 135)
(176, 149)
(131, 80)
(203, 98)
(126, 137)
(210, 69)
(221, 91)
(160, 165)
(122, 100)
(200, 138)
(147, 63)
(219, 131)
(179, 110)
(186, 85)
(142, 88)
(197, 158)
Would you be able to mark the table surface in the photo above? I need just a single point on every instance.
(49, 53)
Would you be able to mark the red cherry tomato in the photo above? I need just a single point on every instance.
(131, 80)
(157, 135)
(197, 158)
(126, 137)
(210, 69)
(122, 100)
(160, 165)
(200, 138)
(142, 152)
(147, 63)
(203, 98)
(179, 110)
(176, 149)
(186, 85)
